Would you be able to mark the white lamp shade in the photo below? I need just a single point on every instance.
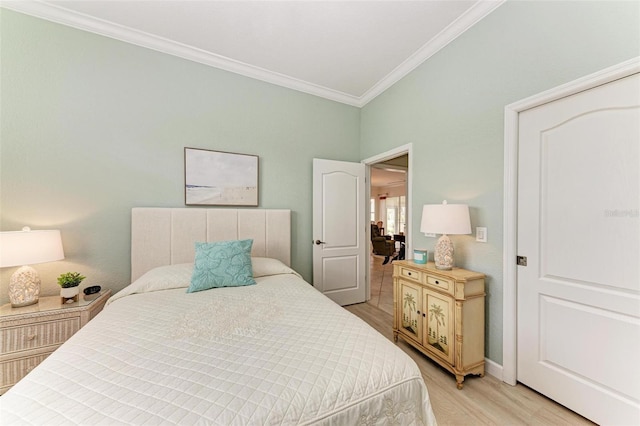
(445, 218)
(30, 247)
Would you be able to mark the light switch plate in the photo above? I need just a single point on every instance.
(481, 234)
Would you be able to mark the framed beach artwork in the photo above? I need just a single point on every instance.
(215, 178)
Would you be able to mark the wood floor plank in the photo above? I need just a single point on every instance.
(485, 401)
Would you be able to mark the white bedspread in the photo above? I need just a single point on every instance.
(277, 352)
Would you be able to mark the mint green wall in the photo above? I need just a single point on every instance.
(92, 127)
(452, 109)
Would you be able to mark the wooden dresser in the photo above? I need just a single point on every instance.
(29, 334)
(441, 313)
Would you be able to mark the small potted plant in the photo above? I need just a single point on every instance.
(69, 283)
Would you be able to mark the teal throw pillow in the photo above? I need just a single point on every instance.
(222, 264)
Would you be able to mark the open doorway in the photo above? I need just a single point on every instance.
(388, 214)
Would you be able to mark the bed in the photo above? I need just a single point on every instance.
(274, 352)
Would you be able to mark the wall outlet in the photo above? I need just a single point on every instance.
(481, 234)
(430, 235)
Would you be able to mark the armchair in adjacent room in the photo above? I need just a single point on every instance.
(382, 246)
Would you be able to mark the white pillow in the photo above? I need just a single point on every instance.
(264, 266)
(160, 278)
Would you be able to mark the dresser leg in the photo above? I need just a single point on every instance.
(395, 336)
(459, 380)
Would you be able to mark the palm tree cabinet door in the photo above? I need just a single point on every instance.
(410, 310)
(439, 324)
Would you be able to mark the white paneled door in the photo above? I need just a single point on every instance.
(339, 233)
(578, 227)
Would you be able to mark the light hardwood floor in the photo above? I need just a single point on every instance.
(381, 284)
(486, 400)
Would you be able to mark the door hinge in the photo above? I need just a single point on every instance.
(521, 260)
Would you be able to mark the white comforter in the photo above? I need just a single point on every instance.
(277, 352)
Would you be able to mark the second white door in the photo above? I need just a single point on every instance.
(579, 293)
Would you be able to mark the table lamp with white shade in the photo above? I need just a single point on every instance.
(445, 219)
(27, 247)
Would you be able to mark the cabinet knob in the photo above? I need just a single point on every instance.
(31, 337)
(418, 312)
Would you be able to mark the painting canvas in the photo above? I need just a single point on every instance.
(220, 178)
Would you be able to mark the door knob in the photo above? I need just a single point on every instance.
(318, 242)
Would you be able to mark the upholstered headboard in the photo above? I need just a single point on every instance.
(165, 236)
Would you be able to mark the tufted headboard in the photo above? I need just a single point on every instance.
(165, 236)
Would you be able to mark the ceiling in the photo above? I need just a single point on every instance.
(388, 177)
(347, 51)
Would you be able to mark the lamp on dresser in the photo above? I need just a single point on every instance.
(446, 219)
(27, 247)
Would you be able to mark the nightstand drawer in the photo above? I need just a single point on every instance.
(37, 335)
(439, 283)
(14, 370)
(412, 274)
(30, 333)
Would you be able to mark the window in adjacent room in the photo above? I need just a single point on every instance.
(396, 214)
(373, 210)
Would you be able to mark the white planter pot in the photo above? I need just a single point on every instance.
(69, 294)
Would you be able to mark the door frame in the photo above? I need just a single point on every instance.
(510, 200)
(368, 162)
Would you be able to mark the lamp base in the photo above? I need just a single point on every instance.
(444, 253)
(24, 287)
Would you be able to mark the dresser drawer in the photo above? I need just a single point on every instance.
(37, 335)
(411, 274)
(440, 283)
(16, 369)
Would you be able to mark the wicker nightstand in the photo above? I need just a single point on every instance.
(29, 334)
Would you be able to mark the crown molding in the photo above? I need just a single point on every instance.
(465, 21)
(88, 23)
(91, 24)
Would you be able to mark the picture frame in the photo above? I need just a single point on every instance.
(218, 178)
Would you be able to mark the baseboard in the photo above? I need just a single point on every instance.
(493, 368)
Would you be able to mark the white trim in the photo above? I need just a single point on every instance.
(59, 14)
(388, 155)
(492, 368)
(510, 232)
(511, 116)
